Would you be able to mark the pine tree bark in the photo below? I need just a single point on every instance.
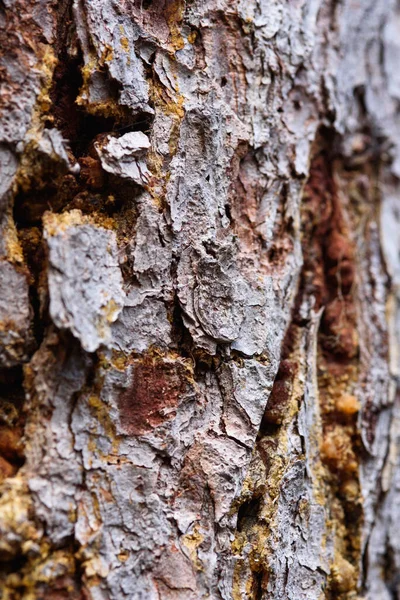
(199, 289)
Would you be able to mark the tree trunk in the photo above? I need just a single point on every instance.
(199, 288)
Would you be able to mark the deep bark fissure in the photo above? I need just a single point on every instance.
(328, 281)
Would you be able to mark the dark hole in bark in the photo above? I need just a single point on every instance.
(224, 81)
(272, 254)
(178, 328)
(248, 513)
(359, 94)
(34, 254)
(258, 577)
(268, 429)
(45, 193)
(79, 127)
(180, 334)
(12, 564)
(66, 84)
(90, 126)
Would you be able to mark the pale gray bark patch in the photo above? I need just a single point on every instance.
(244, 389)
(8, 166)
(151, 250)
(116, 40)
(142, 323)
(21, 88)
(53, 469)
(122, 156)
(15, 316)
(85, 281)
(52, 145)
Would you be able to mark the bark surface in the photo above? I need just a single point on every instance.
(199, 299)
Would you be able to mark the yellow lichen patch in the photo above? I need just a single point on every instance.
(117, 460)
(56, 224)
(46, 64)
(94, 569)
(168, 99)
(107, 55)
(239, 543)
(111, 310)
(123, 39)
(59, 564)
(14, 250)
(124, 43)
(157, 183)
(174, 14)
(102, 413)
(102, 220)
(191, 38)
(72, 513)
(119, 361)
(174, 136)
(92, 446)
(339, 410)
(29, 171)
(155, 162)
(15, 510)
(192, 541)
(171, 104)
(174, 107)
(106, 108)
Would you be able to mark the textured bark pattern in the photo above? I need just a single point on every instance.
(199, 323)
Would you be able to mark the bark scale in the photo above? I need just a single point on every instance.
(199, 275)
